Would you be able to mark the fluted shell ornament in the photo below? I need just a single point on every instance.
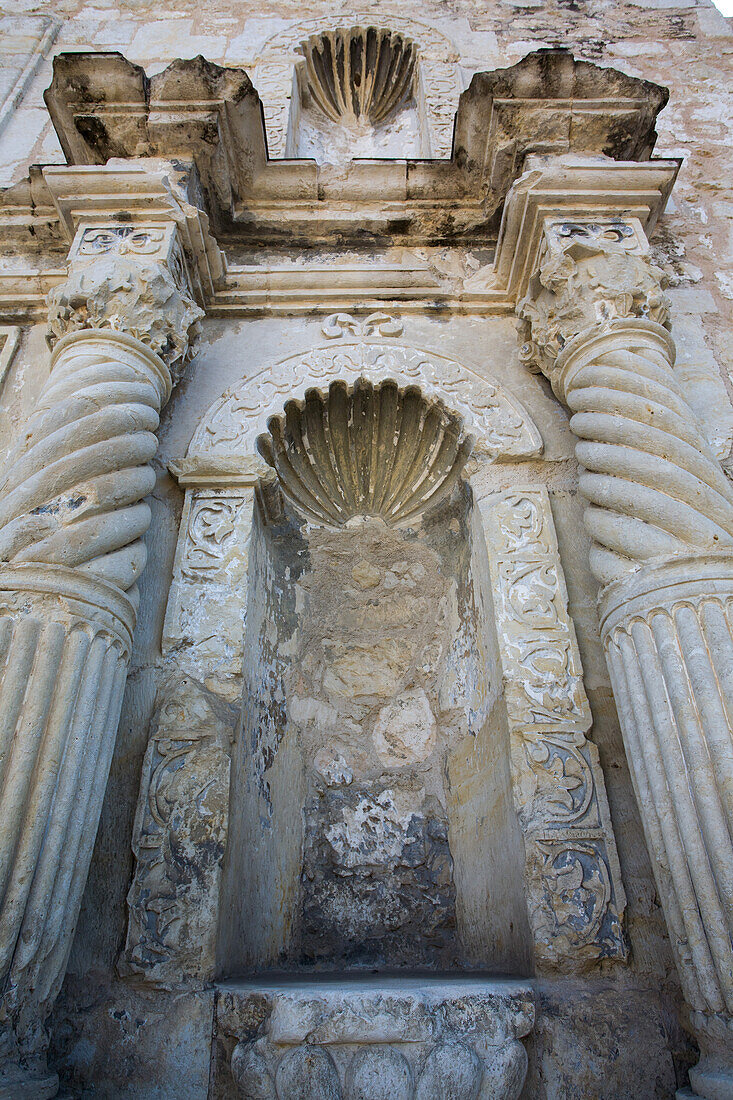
(363, 74)
(366, 450)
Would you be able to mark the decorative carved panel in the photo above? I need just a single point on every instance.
(576, 898)
(178, 841)
(207, 602)
(490, 413)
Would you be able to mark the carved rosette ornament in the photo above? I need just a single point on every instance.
(72, 519)
(660, 513)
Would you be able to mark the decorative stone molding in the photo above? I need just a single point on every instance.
(26, 40)
(72, 517)
(406, 1038)
(575, 894)
(660, 512)
(229, 430)
(178, 841)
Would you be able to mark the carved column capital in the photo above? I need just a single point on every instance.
(590, 273)
(131, 279)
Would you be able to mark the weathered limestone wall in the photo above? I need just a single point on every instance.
(102, 1024)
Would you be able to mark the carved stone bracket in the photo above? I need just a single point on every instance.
(576, 898)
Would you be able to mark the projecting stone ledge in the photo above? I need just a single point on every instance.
(379, 1038)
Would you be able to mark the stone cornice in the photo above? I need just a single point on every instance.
(104, 107)
(552, 188)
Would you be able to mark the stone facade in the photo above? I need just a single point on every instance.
(366, 551)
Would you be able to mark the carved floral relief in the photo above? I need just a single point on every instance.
(576, 898)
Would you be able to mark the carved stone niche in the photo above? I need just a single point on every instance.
(381, 1039)
(368, 450)
(358, 96)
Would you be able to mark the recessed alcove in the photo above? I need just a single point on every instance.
(372, 823)
(357, 94)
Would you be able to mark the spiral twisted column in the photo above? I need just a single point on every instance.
(72, 520)
(660, 513)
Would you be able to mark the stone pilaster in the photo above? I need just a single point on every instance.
(660, 513)
(72, 520)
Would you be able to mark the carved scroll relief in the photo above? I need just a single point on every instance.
(498, 421)
(183, 805)
(575, 894)
(208, 594)
(179, 839)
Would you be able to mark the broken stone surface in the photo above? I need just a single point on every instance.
(367, 1040)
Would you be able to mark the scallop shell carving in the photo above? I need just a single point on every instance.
(362, 74)
(366, 450)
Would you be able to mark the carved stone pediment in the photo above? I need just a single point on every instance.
(194, 109)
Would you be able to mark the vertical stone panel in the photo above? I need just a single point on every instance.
(575, 895)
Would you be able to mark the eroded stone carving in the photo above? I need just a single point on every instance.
(593, 274)
(370, 450)
(433, 57)
(72, 517)
(337, 325)
(500, 425)
(384, 1040)
(660, 512)
(576, 898)
(362, 73)
(205, 616)
(129, 279)
(179, 839)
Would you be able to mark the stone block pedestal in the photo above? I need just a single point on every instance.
(372, 1038)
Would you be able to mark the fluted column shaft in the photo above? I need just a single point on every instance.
(660, 513)
(72, 520)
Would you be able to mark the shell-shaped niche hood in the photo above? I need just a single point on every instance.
(361, 74)
(369, 449)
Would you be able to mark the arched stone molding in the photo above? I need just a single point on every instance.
(227, 434)
(438, 73)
